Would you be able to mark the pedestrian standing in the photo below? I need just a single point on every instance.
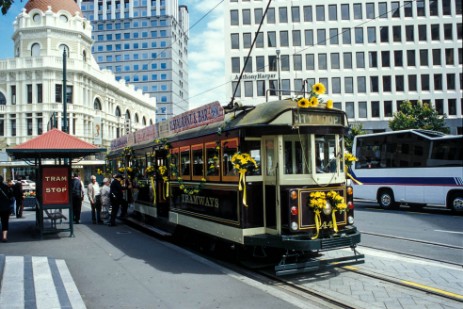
(77, 197)
(6, 196)
(94, 196)
(10, 184)
(19, 197)
(105, 201)
(116, 197)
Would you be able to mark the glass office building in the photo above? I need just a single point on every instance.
(371, 55)
(144, 42)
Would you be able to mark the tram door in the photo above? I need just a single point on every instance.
(161, 196)
(270, 181)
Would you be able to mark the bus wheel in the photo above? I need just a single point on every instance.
(456, 202)
(386, 199)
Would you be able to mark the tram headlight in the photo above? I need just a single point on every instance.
(350, 220)
(327, 208)
(294, 226)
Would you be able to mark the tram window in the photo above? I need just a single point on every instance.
(212, 160)
(254, 150)
(296, 155)
(185, 162)
(325, 154)
(229, 148)
(270, 156)
(173, 164)
(198, 161)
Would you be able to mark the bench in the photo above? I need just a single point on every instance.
(53, 216)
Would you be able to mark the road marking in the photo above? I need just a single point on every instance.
(451, 232)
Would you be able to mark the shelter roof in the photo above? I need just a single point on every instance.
(53, 144)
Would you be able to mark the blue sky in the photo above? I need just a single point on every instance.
(206, 49)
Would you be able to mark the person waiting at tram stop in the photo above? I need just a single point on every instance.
(19, 197)
(94, 196)
(77, 197)
(6, 200)
(105, 200)
(116, 197)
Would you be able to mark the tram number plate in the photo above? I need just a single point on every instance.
(326, 225)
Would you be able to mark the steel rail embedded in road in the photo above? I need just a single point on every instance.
(414, 240)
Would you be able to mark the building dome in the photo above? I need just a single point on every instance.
(56, 5)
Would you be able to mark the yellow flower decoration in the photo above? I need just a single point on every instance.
(313, 102)
(329, 104)
(318, 88)
(303, 103)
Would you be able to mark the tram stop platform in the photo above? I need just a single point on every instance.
(121, 267)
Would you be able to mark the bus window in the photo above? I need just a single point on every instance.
(325, 153)
(198, 161)
(185, 162)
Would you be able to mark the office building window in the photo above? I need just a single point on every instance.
(248, 91)
(411, 62)
(387, 87)
(422, 36)
(271, 39)
(332, 12)
(397, 34)
(452, 104)
(260, 63)
(260, 88)
(358, 35)
(284, 41)
(310, 62)
(345, 12)
(398, 58)
(308, 36)
(408, 8)
(382, 9)
(283, 14)
(258, 13)
(271, 16)
(439, 106)
(361, 84)
(246, 40)
(234, 20)
(295, 14)
(13, 127)
(296, 37)
(272, 63)
(347, 57)
(363, 112)
(448, 32)
(358, 11)
(260, 40)
(370, 11)
(375, 113)
(350, 109)
(284, 62)
(346, 39)
(336, 84)
(449, 57)
(322, 62)
(371, 32)
(451, 85)
(334, 38)
(385, 59)
(435, 33)
(384, 33)
(335, 61)
(395, 9)
(236, 65)
(399, 83)
(246, 17)
(297, 62)
(438, 82)
(412, 83)
(348, 85)
(321, 37)
(308, 15)
(388, 109)
(320, 12)
(373, 59)
(409, 33)
(425, 82)
(360, 58)
(374, 84)
(424, 57)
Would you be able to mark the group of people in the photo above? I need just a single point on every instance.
(108, 198)
(11, 203)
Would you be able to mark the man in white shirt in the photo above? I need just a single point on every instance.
(94, 196)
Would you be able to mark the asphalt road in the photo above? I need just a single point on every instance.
(430, 233)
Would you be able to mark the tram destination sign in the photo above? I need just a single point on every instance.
(312, 119)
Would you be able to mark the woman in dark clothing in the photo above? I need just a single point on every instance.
(116, 196)
(6, 196)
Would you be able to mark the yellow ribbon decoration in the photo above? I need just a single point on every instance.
(243, 188)
(351, 177)
(166, 192)
(333, 217)
(317, 222)
(154, 190)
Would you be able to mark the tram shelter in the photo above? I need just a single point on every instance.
(53, 154)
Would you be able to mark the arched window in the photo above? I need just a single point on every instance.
(127, 115)
(118, 112)
(35, 50)
(63, 18)
(62, 47)
(2, 99)
(143, 121)
(36, 18)
(97, 104)
(84, 56)
(136, 118)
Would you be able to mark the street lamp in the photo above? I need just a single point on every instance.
(278, 74)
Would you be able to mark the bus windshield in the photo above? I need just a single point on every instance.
(307, 154)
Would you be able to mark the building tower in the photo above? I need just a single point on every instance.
(371, 55)
(145, 43)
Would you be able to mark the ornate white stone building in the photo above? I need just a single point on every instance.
(98, 107)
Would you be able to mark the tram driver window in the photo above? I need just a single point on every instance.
(325, 154)
(253, 147)
(296, 154)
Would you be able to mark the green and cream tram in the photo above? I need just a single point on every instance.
(268, 176)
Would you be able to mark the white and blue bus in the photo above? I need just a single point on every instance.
(413, 167)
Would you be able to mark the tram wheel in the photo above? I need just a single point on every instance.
(386, 199)
(455, 202)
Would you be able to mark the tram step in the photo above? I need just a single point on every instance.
(37, 282)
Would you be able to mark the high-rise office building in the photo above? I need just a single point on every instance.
(371, 55)
(144, 42)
